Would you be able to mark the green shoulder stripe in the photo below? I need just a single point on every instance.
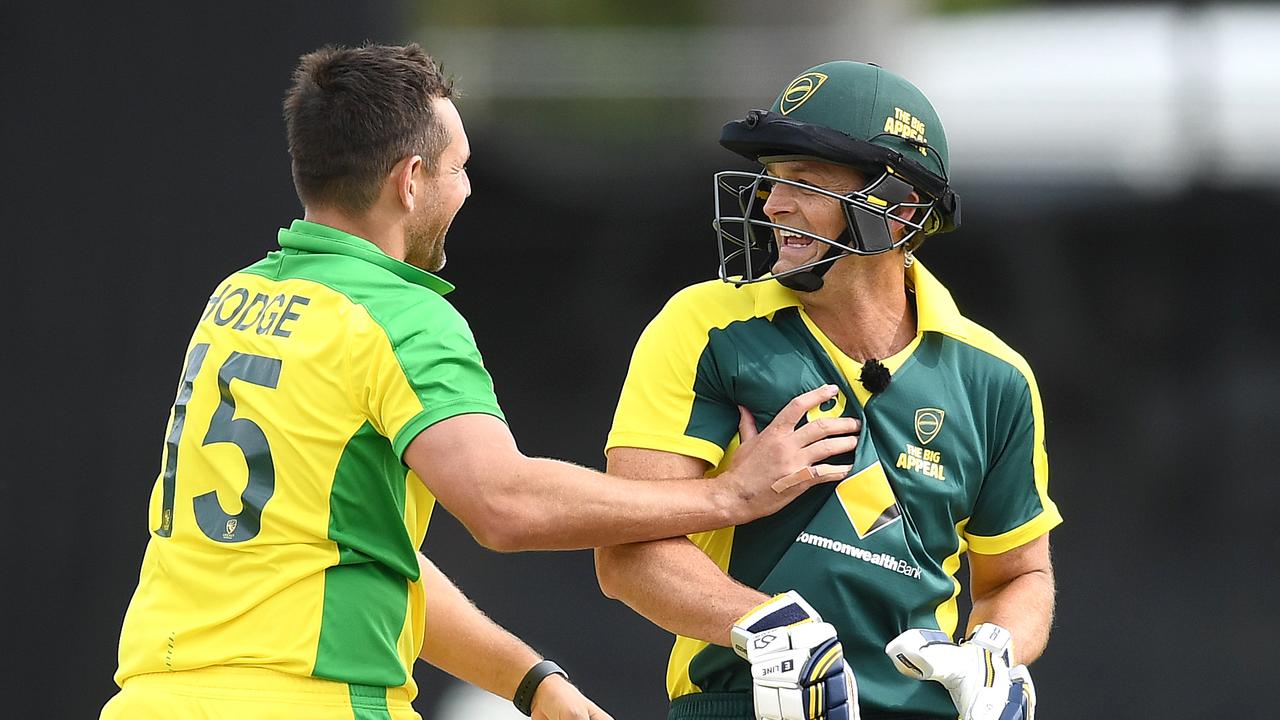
(432, 342)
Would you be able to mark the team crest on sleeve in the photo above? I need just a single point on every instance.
(800, 90)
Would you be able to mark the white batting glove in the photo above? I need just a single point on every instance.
(975, 672)
(798, 670)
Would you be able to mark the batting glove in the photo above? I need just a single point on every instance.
(798, 670)
(975, 672)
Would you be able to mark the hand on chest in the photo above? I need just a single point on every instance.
(922, 430)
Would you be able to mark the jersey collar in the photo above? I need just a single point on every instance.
(317, 238)
(935, 310)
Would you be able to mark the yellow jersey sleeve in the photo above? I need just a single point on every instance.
(671, 400)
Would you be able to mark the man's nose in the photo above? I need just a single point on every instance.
(781, 200)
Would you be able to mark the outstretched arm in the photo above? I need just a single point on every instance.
(512, 502)
(465, 643)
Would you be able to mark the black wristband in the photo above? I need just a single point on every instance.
(529, 685)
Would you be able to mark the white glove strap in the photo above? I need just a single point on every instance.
(994, 638)
(748, 636)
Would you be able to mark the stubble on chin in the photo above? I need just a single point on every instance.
(424, 251)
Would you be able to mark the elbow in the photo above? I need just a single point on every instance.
(609, 575)
(508, 522)
(497, 528)
(494, 538)
(494, 510)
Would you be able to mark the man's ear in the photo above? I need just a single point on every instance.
(906, 214)
(910, 213)
(408, 178)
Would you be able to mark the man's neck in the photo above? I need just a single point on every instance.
(388, 238)
(863, 307)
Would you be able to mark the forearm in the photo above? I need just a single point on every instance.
(554, 505)
(1024, 607)
(512, 502)
(676, 586)
(463, 642)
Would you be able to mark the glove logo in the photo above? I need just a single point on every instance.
(799, 91)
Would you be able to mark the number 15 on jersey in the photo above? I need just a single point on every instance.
(224, 427)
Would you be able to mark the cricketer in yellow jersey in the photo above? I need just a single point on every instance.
(330, 396)
(775, 618)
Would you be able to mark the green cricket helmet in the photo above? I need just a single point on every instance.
(853, 114)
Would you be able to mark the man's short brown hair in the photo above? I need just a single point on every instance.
(353, 113)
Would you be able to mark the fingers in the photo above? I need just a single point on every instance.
(827, 427)
(810, 476)
(830, 473)
(791, 413)
(830, 447)
(598, 714)
(796, 478)
(746, 424)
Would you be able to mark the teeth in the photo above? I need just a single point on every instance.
(791, 239)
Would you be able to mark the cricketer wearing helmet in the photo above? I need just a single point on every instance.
(843, 604)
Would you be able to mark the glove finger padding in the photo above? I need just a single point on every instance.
(1021, 678)
(804, 684)
(976, 673)
(939, 662)
(798, 670)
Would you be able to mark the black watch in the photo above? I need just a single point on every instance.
(529, 685)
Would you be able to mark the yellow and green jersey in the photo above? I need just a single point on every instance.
(951, 459)
(284, 523)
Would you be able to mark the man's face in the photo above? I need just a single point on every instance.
(809, 211)
(445, 191)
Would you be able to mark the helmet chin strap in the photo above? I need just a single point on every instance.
(811, 280)
(875, 377)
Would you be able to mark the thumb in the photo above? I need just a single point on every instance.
(746, 424)
(915, 652)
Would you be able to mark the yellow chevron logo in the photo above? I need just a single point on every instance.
(868, 500)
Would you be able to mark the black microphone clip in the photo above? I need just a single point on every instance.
(875, 376)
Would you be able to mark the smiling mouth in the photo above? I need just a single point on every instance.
(793, 240)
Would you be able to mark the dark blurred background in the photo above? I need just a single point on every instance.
(1121, 177)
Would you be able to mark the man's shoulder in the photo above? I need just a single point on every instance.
(988, 353)
(399, 307)
(977, 347)
(716, 304)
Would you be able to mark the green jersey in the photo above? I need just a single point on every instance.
(951, 459)
(284, 523)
